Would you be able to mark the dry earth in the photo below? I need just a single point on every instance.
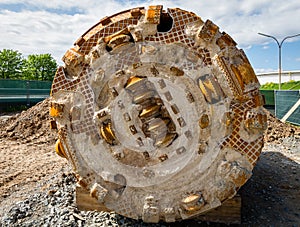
(29, 165)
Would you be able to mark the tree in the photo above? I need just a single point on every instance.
(11, 63)
(39, 67)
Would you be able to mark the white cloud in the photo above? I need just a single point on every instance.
(265, 47)
(40, 32)
(260, 71)
(50, 27)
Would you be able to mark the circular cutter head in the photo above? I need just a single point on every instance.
(158, 113)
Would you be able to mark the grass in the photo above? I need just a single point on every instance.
(291, 85)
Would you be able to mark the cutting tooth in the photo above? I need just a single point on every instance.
(60, 149)
(150, 111)
(56, 109)
(165, 140)
(157, 124)
(193, 203)
(143, 96)
(107, 133)
(133, 83)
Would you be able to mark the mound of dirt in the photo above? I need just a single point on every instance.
(29, 126)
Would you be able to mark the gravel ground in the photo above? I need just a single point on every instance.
(37, 187)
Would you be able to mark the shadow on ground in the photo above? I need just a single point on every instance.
(272, 193)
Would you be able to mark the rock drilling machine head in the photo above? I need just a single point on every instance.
(159, 114)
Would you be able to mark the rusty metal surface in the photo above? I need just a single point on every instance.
(158, 113)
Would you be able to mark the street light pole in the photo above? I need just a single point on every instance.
(279, 49)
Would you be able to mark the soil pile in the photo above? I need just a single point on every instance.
(29, 126)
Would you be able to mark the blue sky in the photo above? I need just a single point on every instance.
(264, 58)
(38, 26)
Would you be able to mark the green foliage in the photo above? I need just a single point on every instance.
(40, 67)
(11, 63)
(35, 67)
(291, 85)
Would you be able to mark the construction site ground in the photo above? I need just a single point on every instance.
(37, 186)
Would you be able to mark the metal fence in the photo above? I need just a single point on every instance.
(287, 106)
(269, 97)
(23, 92)
(31, 84)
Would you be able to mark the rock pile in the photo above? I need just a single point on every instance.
(54, 205)
(277, 130)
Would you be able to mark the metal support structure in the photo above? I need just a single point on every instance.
(279, 48)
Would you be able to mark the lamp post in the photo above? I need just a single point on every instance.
(279, 48)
